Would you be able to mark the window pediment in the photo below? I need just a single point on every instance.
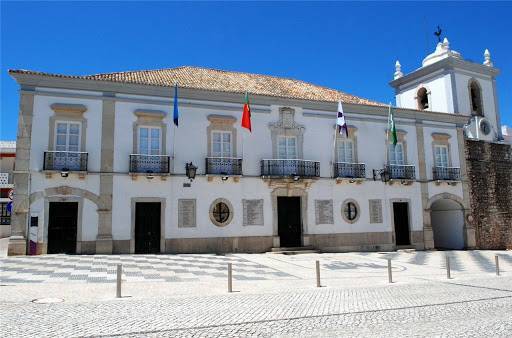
(150, 113)
(68, 108)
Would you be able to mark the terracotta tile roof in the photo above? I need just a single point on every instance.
(223, 81)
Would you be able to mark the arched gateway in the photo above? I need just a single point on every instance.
(447, 218)
(62, 232)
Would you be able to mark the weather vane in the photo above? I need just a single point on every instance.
(438, 33)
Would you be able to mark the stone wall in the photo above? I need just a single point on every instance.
(489, 168)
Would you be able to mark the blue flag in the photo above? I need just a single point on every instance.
(9, 207)
(176, 113)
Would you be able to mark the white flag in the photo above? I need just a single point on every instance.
(341, 124)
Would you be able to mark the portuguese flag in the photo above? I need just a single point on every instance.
(246, 115)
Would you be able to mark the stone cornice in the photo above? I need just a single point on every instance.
(446, 64)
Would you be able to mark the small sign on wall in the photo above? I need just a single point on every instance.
(375, 211)
(253, 212)
(186, 213)
(324, 212)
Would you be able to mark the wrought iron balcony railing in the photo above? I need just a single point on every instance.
(223, 166)
(349, 170)
(285, 167)
(149, 164)
(5, 178)
(446, 173)
(402, 172)
(65, 160)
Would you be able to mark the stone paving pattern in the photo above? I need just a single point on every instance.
(355, 300)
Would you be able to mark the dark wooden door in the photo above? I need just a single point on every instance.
(401, 217)
(147, 227)
(289, 221)
(62, 225)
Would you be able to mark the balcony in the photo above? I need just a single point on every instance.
(349, 170)
(401, 172)
(285, 168)
(226, 166)
(446, 173)
(149, 164)
(65, 161)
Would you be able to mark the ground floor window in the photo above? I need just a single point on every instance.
(221, 212)
(350, 211)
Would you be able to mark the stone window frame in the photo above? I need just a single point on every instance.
(231, 212)
(401, 136)
(429, 97)
(67, 112)
(286, 126)
(474, 82)
(358, 208)
(150, 118)
(441, 139)
(352, 135)
(221, 123)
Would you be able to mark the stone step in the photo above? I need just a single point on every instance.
(293, 250)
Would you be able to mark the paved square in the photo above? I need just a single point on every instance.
(275, 295)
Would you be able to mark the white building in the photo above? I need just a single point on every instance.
(506, 131)
(7, 156)
(101, 168)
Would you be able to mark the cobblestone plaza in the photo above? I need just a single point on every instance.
(274, 295)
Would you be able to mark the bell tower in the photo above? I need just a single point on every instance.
(447, 83)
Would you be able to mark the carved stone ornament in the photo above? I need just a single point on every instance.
(286, 120)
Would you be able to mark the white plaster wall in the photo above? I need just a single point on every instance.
(204, 192)
(362, 193)
(39, 182)
(40, 130)
(489, 108)
(429, 152)
(440, 88)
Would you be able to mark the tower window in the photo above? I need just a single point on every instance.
(475, 94)
(423, 103)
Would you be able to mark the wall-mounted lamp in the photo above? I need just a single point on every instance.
(296, 178)
(64, 173)
(190, 171)
(225, 178)
(149, 175)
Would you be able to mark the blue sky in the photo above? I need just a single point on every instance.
(347, 46)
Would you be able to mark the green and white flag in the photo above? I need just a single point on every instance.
(392, 127)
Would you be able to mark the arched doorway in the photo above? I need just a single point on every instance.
(447, 217)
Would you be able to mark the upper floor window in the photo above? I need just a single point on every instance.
(396, 154)
(67, 136)
(422, 98)
(441, 155)
(287, 147)
(221, 144)
(475, 94)
(345, 150)
(150, 141)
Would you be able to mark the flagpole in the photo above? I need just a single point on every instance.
(333, 153)
(174, 132)
(387, 135)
